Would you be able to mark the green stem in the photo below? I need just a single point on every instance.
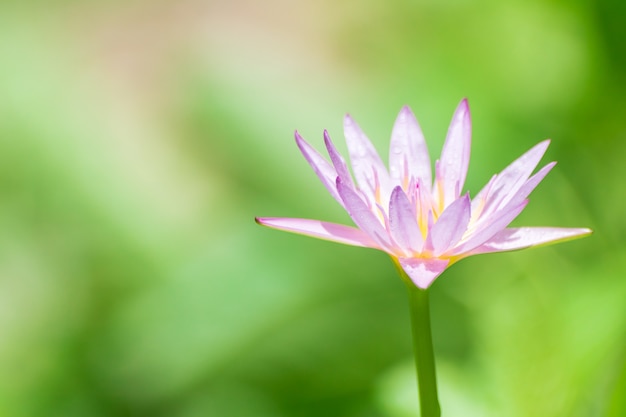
(423, 350)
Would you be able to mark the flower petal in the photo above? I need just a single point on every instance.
(408, 154)
(531, 184)
(363, 217)
(456, 154)
(524, 237)
(480, 200)
(338, 162)
(402, 222)
(319, 229)
(513, 177)
(367, 166)
(423, 271)
(488, 229)
(326, 173)
(450, 226)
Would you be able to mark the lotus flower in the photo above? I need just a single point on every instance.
(424, 225)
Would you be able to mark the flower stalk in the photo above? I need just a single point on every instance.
(419, 308)
(423, 351)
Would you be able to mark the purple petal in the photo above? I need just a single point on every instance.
(423, 271)
(326, 173)
(362, 216)
(524, 237)
(480, 200)
(531, 184)
(455, 155)
(450, 226)
(408, 154)
(319, 229)
(367, 166)
(494, 224)
(402, 222)
(338, 162)
(512, 178)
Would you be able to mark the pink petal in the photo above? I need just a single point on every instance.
(531, 184)
(326, 173)
(367, 166)
(480, 200)
(362, 216)
(450, 226)
(408, 154)
(323, 230)
(512, 178)
(402, 223)
(514, 200)
(338, 162)
(423, 271)
(495, 224)
(455, 155)
(524, 237)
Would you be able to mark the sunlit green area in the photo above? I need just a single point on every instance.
(139, 139)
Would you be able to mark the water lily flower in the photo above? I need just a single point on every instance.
(425, 225)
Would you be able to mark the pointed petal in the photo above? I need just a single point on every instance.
(408, 154)
(338, 162)
(363, 217)
(319, 229)
(488, 229)
(480, 200)
(366, 164)
(326, 173)
(402, 222)
(455, 155)
(531, 184)
(423, 271)
(524, 237)
(512, 178)
(450, 226)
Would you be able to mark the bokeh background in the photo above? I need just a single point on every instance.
(138, 140)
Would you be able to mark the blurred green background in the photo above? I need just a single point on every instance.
(138, 140)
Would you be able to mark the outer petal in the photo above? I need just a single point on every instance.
(524, 237)
(326, 173)
(513, 177)
(484, 232)
(338, 161)
(480, 200)
(423, 271)
(408, 153)
(530, 185)
(450, 226)
(367, 166)
(456, 153)
(319, 229)
(402, 222)
(363, 217)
